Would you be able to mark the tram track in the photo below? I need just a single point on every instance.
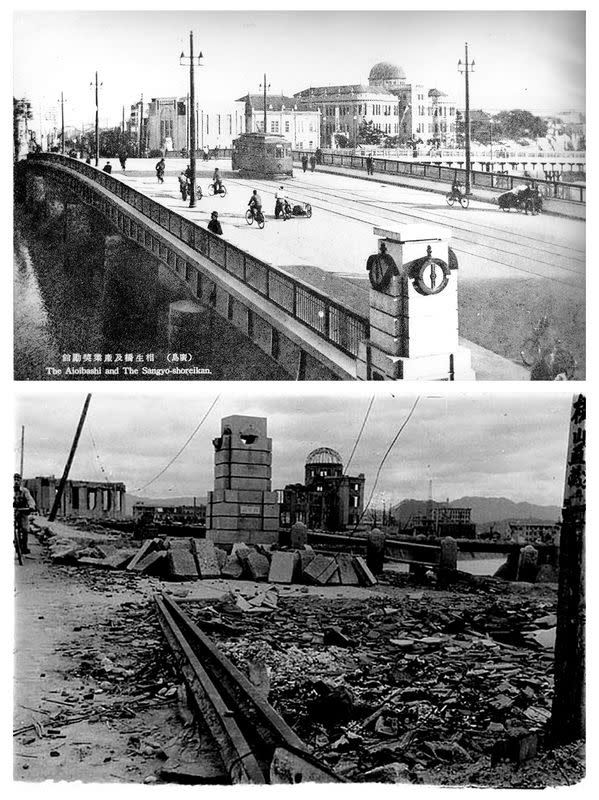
(320, 198)
(255, 744)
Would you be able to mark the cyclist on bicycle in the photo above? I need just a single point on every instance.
(217, 181)
(456, 189)
(23, 505)
(255, 203)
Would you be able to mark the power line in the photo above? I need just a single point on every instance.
(100, 465)
(176, 456)
(378, 472)
(359, 435)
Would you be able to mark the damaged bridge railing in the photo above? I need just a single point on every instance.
(330, 320)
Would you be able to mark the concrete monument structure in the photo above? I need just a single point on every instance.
(413, 308)
(242, 507)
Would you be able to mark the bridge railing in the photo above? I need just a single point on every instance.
(333, 322)
(439, 172)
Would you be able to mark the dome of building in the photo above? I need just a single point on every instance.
(385, 71)
(323, 455)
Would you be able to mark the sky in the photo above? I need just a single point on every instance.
(523, 59)
(499, 445)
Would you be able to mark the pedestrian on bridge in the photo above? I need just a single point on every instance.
(312, 163)
(304, 162)
(160, 167)
(123, 159)
(107, 168)
(183, 184)
(214, 225)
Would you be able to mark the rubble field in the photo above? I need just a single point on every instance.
(414, 686)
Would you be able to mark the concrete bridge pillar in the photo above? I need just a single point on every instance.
(448, 559)
(413, 309)
(375, 551)
(299, 535)
(35, 190)
(528, 564)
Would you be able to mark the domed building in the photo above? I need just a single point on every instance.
(387, 75)
(328, 499)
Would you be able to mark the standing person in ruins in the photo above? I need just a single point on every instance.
(23, 506)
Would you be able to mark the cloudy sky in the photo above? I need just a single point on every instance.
(492, 445)
(524, 59)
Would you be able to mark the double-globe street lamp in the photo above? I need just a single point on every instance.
(191, 61)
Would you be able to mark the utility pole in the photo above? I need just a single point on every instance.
(265, 86)
(62, 123)
(568, 709)
(491, 141)
(467, 67)
(97, 93)
(22, 448)
(65, 474)
(193, 145)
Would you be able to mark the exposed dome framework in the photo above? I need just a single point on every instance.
(324, 455)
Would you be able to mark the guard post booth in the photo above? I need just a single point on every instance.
(413, 308)
(260, 155)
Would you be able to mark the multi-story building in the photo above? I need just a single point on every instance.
(394, 106)
(168, 123)
(328, 499)
(534, 532)
(284, 116)
(444, 520)
(83, 499)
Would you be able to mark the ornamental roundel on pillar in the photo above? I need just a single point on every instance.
(381, 268)
(429, 275)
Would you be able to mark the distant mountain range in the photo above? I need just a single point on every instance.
(484, 510)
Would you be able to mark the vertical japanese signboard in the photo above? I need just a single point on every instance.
(567, 717)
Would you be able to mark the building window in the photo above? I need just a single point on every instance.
(274, 126)
(286, 126)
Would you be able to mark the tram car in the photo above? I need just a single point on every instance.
(259, 155)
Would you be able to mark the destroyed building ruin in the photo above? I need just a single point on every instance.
(328, 499)
(83, 499)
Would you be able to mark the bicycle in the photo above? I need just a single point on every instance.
(212, 191)
(251, 215)
(452, 196)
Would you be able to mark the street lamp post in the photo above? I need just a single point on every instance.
(265, 86)
(192, 61)
(467, 67)
(401, 119)
(97, 138)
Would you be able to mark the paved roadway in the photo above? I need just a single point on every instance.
(489, 243)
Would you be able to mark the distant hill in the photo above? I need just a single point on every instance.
(165, 502)
(484, 510)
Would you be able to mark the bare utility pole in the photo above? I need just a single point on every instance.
(22, 448)
(567, 713)
(65, 474)
(467, 67)
(193, 61)
(265, 86)
(141, 125)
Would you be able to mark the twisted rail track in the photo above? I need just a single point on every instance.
(255, 744)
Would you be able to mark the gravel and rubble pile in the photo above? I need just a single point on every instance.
(417, 688)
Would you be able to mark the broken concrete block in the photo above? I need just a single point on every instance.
(364, 574)
(306, 557)
(320, 569)
(154, 563)
(347, 573)
(299, 535)
(206, 558)
(335, 579)
(389, 773)
(120, 559)
(182, 564)
(221, 557)
(282, 567)
(67, 555)
(334, 636)
(258, 566)
(147, 547)
(233, 568)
